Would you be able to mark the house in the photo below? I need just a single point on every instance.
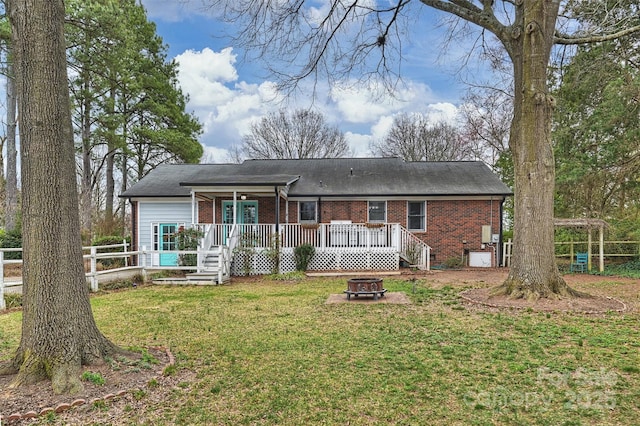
(359, 213)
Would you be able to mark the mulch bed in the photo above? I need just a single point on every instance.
(588, 305)
(31, 401)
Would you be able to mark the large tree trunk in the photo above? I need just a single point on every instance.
(59, 333)
(11, 200)
(534, 272)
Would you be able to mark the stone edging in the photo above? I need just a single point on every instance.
(497, 306)
(62, 407)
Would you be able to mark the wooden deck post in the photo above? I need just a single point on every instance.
(143, 263)
(3, 305)
(94, 277)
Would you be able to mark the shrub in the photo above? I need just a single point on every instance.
(13, 300)
(110, 240)
(453, 262)
(187, 239)
(303, 254)
(273, 252)
(12, 239)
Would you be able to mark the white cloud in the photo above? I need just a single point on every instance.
(359, 144)
(203, 75)
(380, 129)
(443, 111)
(226, 105)
(365, 105)
(213, 154)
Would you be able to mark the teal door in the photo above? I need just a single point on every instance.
(247, 212)
(168, 242)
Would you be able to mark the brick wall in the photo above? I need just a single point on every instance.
(134, 225)
(449, 222)
(205, 212)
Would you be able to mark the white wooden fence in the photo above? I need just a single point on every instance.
(94, 255)
(606, 249)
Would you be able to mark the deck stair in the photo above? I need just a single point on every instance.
(213, 266)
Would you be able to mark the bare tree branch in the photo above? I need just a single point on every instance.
(565, 39)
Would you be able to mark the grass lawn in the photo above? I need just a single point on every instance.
(272, 352)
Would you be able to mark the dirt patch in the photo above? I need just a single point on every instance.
(609, 294)
(588, 305)
(388, 298)
(124, 378)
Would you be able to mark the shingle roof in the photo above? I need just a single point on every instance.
(329, 177)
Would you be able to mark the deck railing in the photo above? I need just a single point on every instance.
(324, 236)
(333, 236)
(320, 235)
(414, 250)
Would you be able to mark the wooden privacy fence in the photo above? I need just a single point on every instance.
(568, 249)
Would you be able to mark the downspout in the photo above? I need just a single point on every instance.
(500, 240)
(135, 238)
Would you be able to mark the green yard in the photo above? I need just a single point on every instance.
(271, 352)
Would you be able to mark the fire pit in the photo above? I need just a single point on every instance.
(362, 286)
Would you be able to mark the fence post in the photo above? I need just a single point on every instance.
(124, 249)
(94, 276)
(3, 305)
(143, 261)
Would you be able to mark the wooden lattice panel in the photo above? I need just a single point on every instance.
(259, 263)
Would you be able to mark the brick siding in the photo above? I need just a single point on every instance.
(448, 222)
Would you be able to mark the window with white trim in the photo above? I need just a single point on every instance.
(308, 211)
(377, 211)
(415, 215)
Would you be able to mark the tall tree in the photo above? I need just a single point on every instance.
(59, 333)
(11, 221)
(597, 132)
(339, 39)
(413, 137)
(299, 134)
(128, 108)
(10, 186)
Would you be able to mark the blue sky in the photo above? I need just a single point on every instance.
(228, 95)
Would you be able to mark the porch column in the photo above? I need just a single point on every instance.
(193, 207)
(235, 206)
(601, 248)
(589, 242)
(277, 209)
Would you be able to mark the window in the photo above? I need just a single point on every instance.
(415, 217)
(307, 211)
(377, 211)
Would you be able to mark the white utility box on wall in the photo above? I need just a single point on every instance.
(480, 259)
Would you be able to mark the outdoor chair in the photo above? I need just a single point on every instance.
(580, 265)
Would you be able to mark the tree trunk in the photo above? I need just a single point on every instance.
(110, 162)
(11, 200)
(86, 189)
(534, 272)
(59, 333)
